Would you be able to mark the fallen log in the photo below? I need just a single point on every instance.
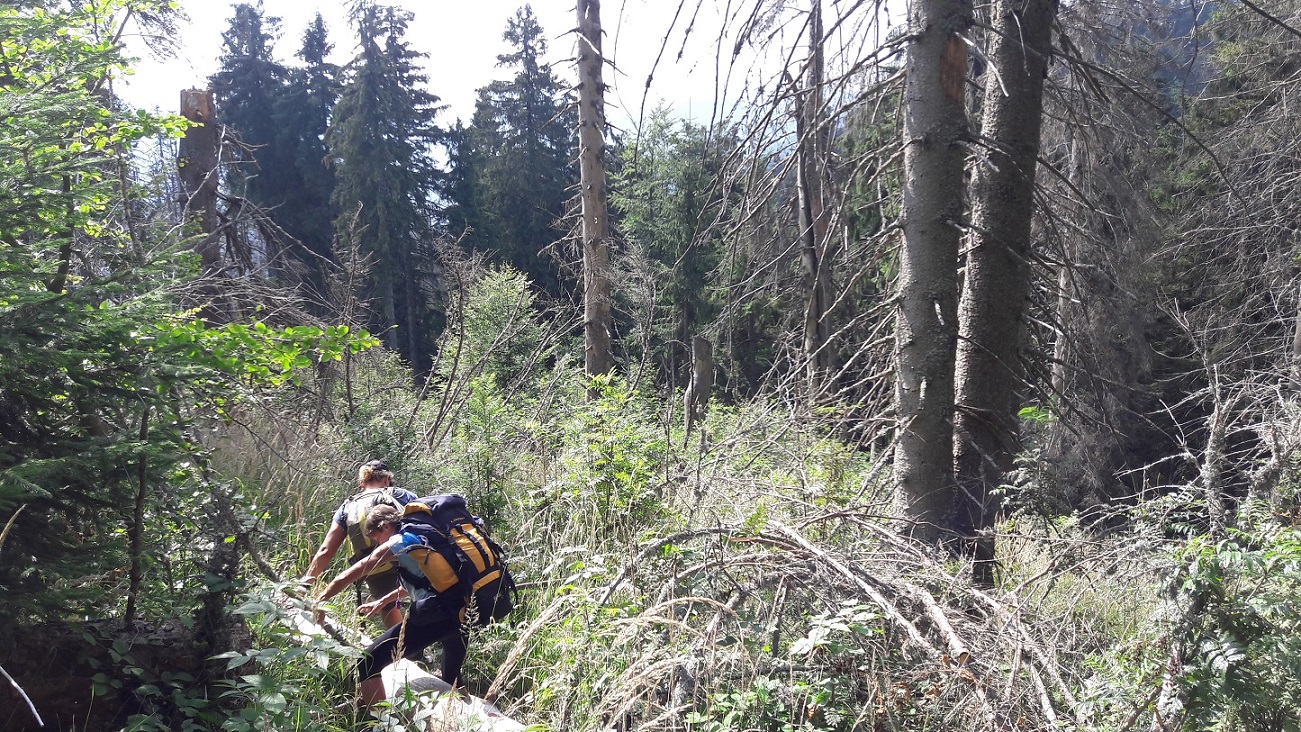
(417, 696)
(414, 695)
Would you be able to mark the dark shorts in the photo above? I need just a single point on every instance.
(382, 584)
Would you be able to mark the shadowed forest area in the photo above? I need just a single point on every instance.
(947, 376)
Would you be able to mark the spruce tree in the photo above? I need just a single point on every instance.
(246, 90)
(302, 115)
(669, 205)
(517, 156)
(380, 143)
(104, 370)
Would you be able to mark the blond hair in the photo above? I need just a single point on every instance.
(375, 471)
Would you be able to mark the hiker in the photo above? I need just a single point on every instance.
(376, 483)
(453, 573)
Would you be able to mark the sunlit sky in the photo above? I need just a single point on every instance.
(463, 40)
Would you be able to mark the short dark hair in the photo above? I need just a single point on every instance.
(380, 516)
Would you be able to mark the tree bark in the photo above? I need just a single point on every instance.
(997, 280)
(935, 128)
(137, 530)
(598, 358)
(197, 158)
(696, 399)
(814, 215)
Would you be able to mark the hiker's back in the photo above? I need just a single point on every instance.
(354, 510)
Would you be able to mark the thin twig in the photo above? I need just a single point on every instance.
(23, 694)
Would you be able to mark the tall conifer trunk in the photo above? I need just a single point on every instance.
(997, 281)
(814, 213)
(935, 128)
(599, 358)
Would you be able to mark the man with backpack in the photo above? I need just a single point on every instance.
(454, 573)
(376, 483)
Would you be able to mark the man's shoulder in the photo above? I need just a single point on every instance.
(403, 495)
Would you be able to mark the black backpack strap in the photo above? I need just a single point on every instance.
(507, 581)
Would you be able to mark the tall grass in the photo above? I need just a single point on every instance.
(747, 578)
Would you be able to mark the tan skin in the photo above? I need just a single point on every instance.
(334, 538)
(372, 689)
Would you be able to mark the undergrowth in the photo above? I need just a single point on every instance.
(743, 577)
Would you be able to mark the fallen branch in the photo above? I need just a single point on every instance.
(957, 646)
(654, 548)
(958, 650)
(1028, 644)
(10, 524)
(881, 601)
(23, 694)
(1037, 655)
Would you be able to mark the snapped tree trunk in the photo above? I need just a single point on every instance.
(696, 398)
(197, 157)
(598, 358)
(935, 130)
(997, 281)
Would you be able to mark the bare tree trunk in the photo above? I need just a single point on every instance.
(598, 358)
(1296, 346)
(411, 308)
(1212, 468)
(1066, 296)
(137, 530)
(388, 306)
(197, 157)
(935, 128)
(814, 215)
(696, 399)
(997, 282)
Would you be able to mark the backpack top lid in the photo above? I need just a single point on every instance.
(444, 504)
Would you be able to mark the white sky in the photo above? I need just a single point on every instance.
(463, 40)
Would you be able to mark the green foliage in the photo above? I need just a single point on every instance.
(287, 680)
(672, 207)
(1245, 672)
(74, 376)
(513, 165)
(761, 707)
(613, 461)
(484, 459)
(102, 373)
(496, 334)
(124, 667)
(380, 141)
(835, 633)
(255, 353)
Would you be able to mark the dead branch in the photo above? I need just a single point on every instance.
(30, 706)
